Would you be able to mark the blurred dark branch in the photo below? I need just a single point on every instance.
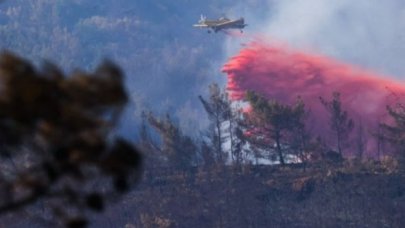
(21, 203)
(56, 130)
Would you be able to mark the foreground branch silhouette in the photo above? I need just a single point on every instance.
(56, 141)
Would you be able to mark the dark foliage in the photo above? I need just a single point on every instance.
(395, 133)
(56, 141)
(177, 150)
(224, 130)
(339, 122)
(271, 124)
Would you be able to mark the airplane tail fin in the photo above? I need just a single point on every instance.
(202, 18)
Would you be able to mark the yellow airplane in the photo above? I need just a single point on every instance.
(222, 23)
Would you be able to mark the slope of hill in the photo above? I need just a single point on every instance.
(266, 196)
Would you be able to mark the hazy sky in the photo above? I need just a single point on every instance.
(169, 63)
(369, 33)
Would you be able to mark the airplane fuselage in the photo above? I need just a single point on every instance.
(221, 24)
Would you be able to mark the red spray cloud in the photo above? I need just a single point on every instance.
(282, 74)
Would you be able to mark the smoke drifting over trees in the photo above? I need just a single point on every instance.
(283, 74)
(315, 142)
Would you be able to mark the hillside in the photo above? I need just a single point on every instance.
(266, 196)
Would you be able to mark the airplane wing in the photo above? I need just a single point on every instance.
(225, 23)
(200, 25)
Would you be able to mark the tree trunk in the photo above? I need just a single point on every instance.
(338, 136)
(219, 145)
(280, 153)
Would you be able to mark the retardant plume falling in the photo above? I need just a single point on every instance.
(282, 74)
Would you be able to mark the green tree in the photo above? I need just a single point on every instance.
(224, 128)
(339, 121)
(149, 148)
(178, 149)
(381, 139)
(219, 111)
(269, 124)
(361, 141)
(56, 132)
(302, 142)
(395, 133)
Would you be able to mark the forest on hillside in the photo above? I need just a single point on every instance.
(148, 140)
(253, 167)
(262, 167)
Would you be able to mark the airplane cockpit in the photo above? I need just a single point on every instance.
(223, 19)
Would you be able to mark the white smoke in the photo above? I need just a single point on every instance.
(369, 33)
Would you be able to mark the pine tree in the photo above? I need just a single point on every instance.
(339, 121)
(302, 141)
(179, 150)
(397, 130)
(270, 124)
(361, 141)
(218, 110)
(149, 148)
(224, 126)
(395, 133)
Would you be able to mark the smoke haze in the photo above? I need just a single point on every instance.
(282, 74)
(330, 43)
(369, 33)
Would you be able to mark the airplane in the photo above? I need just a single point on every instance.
(222, 23)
